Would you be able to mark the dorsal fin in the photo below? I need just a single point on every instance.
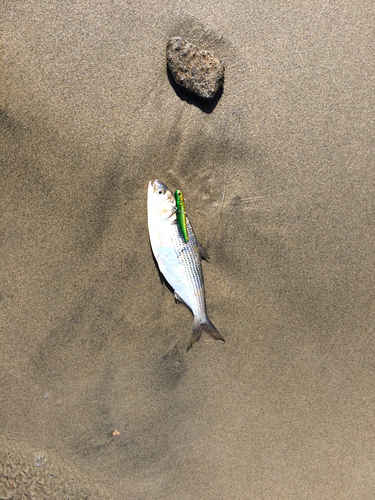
(202, 252)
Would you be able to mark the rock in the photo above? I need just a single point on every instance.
(196, 70)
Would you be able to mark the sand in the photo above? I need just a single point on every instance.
(279, 182)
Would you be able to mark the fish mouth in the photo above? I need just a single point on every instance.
(159, 185)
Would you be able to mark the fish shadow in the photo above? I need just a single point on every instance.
(205, 105)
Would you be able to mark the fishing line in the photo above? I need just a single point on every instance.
(217, 211)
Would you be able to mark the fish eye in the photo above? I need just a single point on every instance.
(161, 191)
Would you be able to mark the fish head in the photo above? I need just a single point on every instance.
(161, 202)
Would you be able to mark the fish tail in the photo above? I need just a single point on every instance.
(204, 325)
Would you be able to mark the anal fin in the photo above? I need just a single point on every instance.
(177, 298)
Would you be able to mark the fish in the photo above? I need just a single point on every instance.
(179, 261)
(181, 214)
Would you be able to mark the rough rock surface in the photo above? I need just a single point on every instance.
(197, 70)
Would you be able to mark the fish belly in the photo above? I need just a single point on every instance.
(180, 265)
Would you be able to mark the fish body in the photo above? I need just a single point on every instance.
(179, 261)
(181, 214)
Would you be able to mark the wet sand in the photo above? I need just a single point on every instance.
(279, 182)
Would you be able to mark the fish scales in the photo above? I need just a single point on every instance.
(190, 259)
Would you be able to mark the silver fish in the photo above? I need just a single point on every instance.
(178, 261)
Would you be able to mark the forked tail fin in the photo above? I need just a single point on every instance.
(204, 325)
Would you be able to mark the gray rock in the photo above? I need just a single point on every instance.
(196, 70)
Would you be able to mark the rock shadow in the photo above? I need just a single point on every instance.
(205, 105)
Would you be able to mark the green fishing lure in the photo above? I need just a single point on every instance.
(181, 214)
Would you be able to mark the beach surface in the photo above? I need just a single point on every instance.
(97, 388)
